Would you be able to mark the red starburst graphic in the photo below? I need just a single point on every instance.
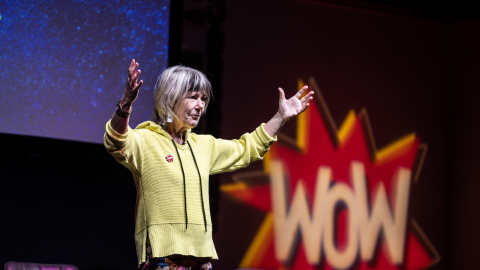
(322, 148)
(169, 158)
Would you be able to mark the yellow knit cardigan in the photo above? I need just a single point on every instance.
(160, 206)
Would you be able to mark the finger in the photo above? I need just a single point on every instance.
(130, 68)
(137, 74)
(137, 89)
(138, 86)
(300, 92)
(281, 93)
(307, 102)
(308, 97)
(135, 68)
(305, 106)
(132, 76)
(135, 78)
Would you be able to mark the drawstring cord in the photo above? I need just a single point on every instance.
(185, 186)
(201, 189)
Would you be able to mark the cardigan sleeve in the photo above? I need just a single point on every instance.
(123, 147)
(230, 155)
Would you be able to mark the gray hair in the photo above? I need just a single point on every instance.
(173, 86)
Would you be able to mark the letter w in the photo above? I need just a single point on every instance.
(286, 224)
(394, 225)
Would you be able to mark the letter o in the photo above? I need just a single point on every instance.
(340, 259)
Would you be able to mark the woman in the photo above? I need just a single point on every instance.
(171, 165)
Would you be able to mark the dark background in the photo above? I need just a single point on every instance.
(412, 64)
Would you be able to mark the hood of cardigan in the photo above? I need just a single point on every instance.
(158, 129)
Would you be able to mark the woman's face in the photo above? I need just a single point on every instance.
(191, 109)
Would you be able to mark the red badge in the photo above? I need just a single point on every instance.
(169, 158)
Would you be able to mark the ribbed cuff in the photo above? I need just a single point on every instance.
(267, 139)
(115, 134)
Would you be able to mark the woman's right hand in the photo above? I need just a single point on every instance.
(132, 88)
(118, 123)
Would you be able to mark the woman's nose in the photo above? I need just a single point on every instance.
(200, 104)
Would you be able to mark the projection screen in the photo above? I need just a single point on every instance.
(64, 63)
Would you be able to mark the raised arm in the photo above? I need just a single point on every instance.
(287, 109)
(119, 122)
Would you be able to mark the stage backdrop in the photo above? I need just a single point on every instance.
(65, 63)
(350, 184)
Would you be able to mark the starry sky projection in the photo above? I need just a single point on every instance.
(65, 63)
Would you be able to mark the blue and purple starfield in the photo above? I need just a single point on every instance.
(65, 63)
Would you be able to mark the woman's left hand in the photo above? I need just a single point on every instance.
(288, 108)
